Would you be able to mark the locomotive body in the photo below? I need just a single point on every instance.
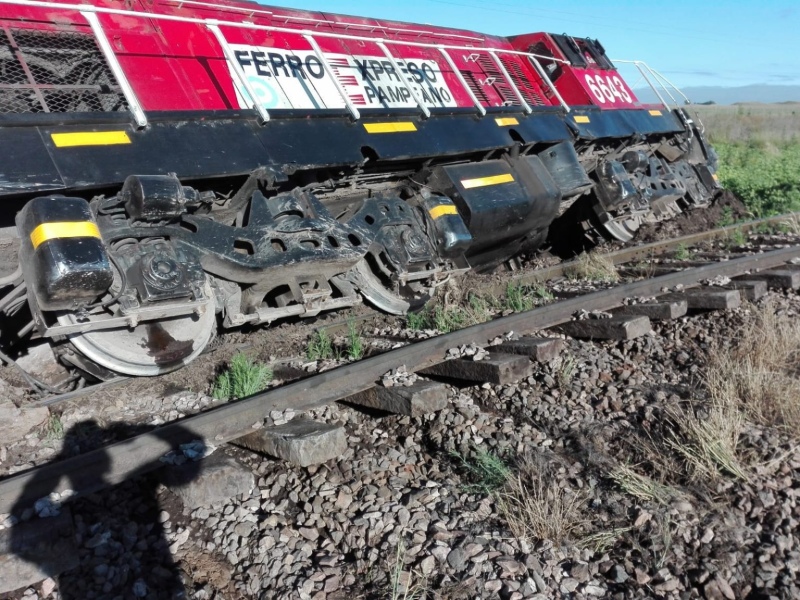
(179, 165)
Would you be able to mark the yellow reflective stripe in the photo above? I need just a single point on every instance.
(51, 231)
(655, 113)
(581, 119)
(396, 127)
(90, 138)
(505, 122)
(715, 177)
(484, 181)
(441, 210)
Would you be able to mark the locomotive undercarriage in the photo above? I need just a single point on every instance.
(644, 181)
(171, 264)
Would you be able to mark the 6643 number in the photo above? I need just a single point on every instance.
(608, 89)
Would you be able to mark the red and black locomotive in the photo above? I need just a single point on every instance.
(175, 166)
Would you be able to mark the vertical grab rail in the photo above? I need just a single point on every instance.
(543, 74)
(668, 85)
(237, 69)
(425, 110)
(650, 83)
(116, 68)
(525, 106)
(462, 81)
(327, 66)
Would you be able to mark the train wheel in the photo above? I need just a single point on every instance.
(151, 348)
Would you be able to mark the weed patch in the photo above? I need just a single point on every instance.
(244, 377)
(320, 346)
(355, 343)
(683, 253)
(536, 507)
(487, 471)
(760, 372)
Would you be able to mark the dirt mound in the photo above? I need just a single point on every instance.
(726, 207)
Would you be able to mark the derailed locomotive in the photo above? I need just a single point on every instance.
(180, 165)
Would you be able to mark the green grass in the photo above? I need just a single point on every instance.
(683, 253)
(542, 293)
(519, 297)
(737, 239)
(765, 176)
(759, 151)
(417, 321)
(355, 343)
(487, 471)
(244, 377)
(54, 428)
(320, 346)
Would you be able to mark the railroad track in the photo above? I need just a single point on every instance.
(140, 454)
(644, 252)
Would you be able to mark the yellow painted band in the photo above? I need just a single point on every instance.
(484, 181)
(655, 113)
(397, 127)
(51, 231)
(582, 119)
(90, 138)
(505, 122)
(441, 210)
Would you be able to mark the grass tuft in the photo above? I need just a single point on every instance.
(565, 372)
(406, 585)
(602, 541)
(243, 378)
(320, 346)
(760, 372)
(488, 472)
(54, 428)
(708, 445)
(417, 321)
(355, 343)
(592, 266)
(641, 486)
(683, 253)
(519, 298)
(536, 507)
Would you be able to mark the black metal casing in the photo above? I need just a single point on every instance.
(64, 273)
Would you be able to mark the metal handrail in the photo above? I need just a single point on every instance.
(215, 24)
(116, 68)
(462, 81)
(664, 83)
(425, 110)
(543, 74)
(327, 66)
(525, 106)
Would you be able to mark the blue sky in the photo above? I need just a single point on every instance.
(693, 43)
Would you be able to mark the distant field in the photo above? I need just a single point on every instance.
(759, 150)
(767, 123)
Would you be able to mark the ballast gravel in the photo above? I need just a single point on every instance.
(403, 509)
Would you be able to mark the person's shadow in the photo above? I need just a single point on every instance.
(123, 551)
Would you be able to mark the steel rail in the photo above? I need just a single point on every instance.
(117, 462)
(618, 257)
(622, 256)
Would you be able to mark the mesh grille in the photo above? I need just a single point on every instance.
(55, 72)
